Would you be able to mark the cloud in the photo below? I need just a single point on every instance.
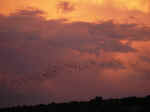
(65, 7)
(56, 55)
(145, 58)
(86, 10)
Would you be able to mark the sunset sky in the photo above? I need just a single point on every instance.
(64, 50)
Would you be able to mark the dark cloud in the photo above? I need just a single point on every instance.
(35, 51)
(145, 58)
(113, 64)
(140, 68)
(65, 7)
(111, 30)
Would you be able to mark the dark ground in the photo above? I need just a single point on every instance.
(128, 104)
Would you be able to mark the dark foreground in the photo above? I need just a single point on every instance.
(129, 104)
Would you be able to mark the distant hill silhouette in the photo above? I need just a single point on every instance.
(128, 104)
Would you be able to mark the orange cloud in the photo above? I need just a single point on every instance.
(86, 10)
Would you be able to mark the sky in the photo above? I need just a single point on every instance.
(65, 50)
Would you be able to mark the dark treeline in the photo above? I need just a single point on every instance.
(128, 104)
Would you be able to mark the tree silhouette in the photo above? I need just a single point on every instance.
(128, 104)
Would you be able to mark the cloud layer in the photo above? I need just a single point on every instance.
(56, 60)
(136, 11)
